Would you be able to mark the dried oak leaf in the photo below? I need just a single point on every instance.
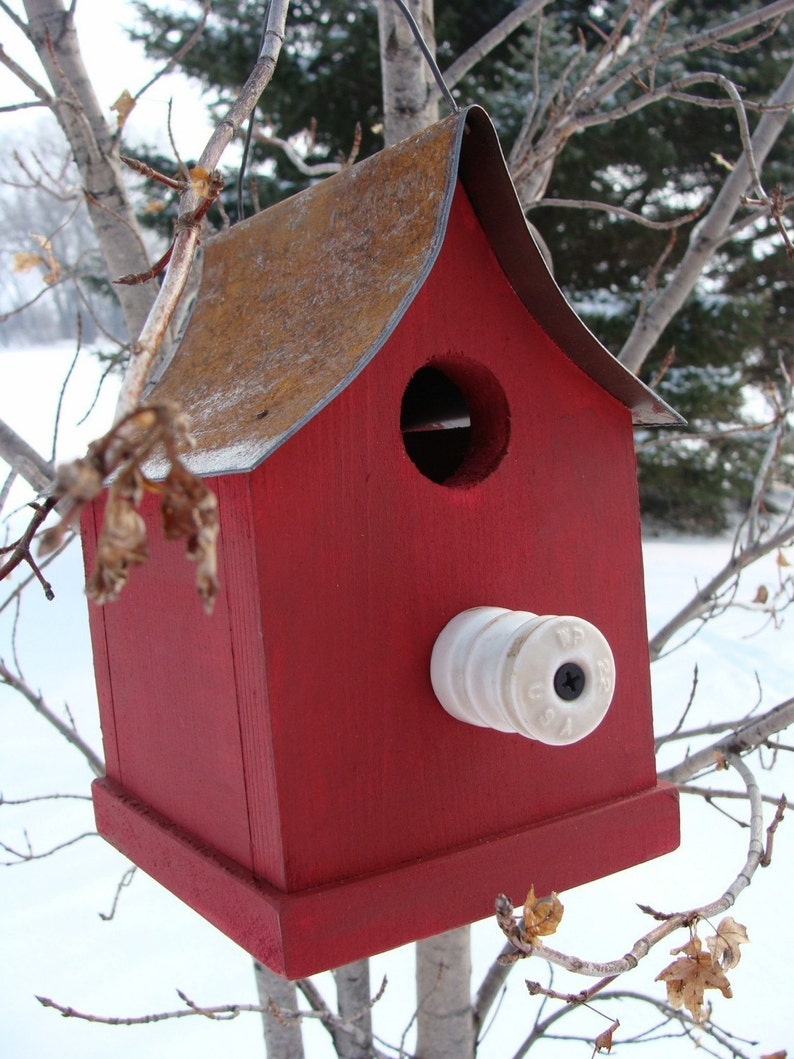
(122, 540)
(123, 106)
(25, 261)
(190, 510)
(776, 1055)
(688, 977)
(78, 481)
(762, 595)
(542, 916)
(781, 560)
(50, 261)
(724, 947)
(603, 1042)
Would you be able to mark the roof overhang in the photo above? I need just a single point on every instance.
(296, 301)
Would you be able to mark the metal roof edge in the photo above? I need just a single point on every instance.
(485, 175)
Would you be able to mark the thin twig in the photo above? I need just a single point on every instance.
(148, 342)
(608, 971)
(94, 761)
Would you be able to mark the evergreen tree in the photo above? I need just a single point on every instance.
(663, 162)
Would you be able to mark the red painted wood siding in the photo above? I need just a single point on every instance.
(362, 561)
(296, 731)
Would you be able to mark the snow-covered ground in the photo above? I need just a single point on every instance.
(54, 943)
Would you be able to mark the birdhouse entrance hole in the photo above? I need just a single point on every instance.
(454, 421)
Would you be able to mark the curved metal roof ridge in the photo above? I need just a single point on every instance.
(297, 300)
(486, 177)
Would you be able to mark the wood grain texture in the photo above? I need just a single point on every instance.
(284, 766)
(303, 933)
(362, 561)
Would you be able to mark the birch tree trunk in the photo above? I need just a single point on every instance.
(52, 32)
(445, 1017)
(445, 1020)
(353, 1038)
(410, 102)
(283, 1036)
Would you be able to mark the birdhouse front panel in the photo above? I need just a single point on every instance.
(294, 767)
(369, 558)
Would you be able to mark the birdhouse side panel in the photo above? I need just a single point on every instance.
(169, 689)
(363, 559)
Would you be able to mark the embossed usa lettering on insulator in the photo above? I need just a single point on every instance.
(546, 677)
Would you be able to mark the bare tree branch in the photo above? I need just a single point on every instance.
(608, 971)
(490, 40)
(192, 39)
(750, 735)
(754, 537)
(24, 856)
(68, 731)
(23, 458)
(216, 1013)
(621, 211)
(151, 335)
(709, 233)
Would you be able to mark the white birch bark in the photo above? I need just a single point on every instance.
(283, 1038)
(353, 1036)
(74, 103)
(409, 100)
(445, 1017)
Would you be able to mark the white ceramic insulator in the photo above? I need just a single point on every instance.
(496, 668)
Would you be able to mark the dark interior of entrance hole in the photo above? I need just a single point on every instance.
(435, 421)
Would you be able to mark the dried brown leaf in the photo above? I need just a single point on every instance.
(776, 1055)
(123, 106)
(688, 977)
(542, 916)
(189, 508)
(603, 1042)
(78, 481)
(190, 511)
(49, 261)
(762, 595)
(25, 261)
(781, 559)
(724, 947)
(122, 540)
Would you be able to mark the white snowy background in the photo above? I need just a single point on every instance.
(53, 941)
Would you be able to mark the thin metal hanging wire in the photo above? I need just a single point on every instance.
(429, 57)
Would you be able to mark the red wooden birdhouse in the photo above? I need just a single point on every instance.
(419, 451)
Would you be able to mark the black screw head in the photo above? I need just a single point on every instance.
(569, 681)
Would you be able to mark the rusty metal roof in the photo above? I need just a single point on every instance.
(294, 302)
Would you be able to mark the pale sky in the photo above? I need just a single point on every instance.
(114, 63)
